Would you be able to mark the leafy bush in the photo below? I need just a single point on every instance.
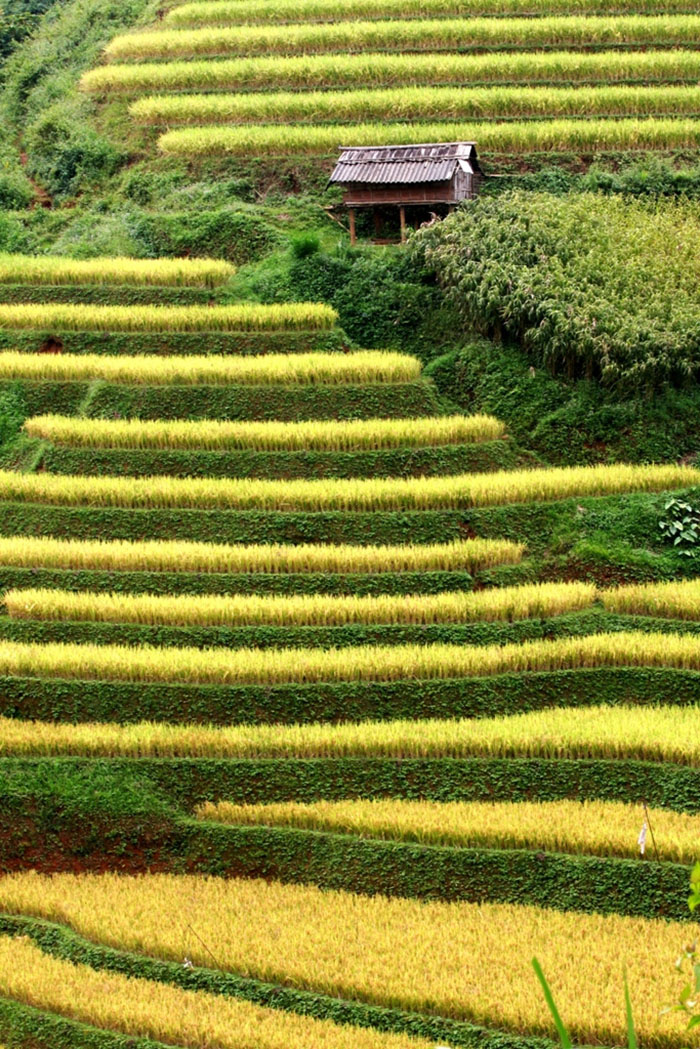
(590, 286)
(227, 233)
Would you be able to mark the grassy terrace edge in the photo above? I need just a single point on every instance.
(78, 700)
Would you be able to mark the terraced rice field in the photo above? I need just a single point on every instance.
(328, 669)
(312, 733)
(273, 78)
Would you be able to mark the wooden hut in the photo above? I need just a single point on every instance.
(432, 177)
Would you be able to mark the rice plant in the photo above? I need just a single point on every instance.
(162, 555)
(528, 136)
(416, 103)
(617, 733)
(45, 269)
(274, 369)
(363, 663)
(397, 70)
(599, 828)
(215, 435)
(243, 12)
(128, 1005)
(537, 599)
(450, 962)
(679, 599)
(240, 317)
(393, 493)
(446, 34)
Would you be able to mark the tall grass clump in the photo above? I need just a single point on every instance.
(396, 70)
(600, 828)
(215, 435)
(299, 369)
(162, 555)
(416, 103)
(421, 34)
(357, 947)
(421, 493)
(363, 663)
(44, 269)
(128, 1005)
(240, 317)
(537, 599)
(511, 136)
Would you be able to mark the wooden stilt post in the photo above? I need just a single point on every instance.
(378, 223)
(351, 214)
(402, 219)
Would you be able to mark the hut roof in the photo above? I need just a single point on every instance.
(429, 162)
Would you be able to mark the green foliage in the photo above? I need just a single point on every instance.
(12, 412)
(67, 153)
(589, 285)
(568, 421)
(238, 234)
(305, 244)
(681, 526)
(652, 177)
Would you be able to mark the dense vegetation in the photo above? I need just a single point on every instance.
(589, 286)
(349, 600)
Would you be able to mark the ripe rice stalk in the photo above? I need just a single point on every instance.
(298, 369)
(357, 947)
(245, 12)
(239, 317)
(396, 70)
(243, 666)
(215, 435)
(387, 494)
(169, 1014)
(598, 828)
(44, 269)
(679, 599)
(447, 34)
(416, 103)
(508, 137)
(659, 734)
(159, 555)
(538, 600)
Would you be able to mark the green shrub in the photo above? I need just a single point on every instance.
(229, 233)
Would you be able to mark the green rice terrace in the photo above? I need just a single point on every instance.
(349, 565)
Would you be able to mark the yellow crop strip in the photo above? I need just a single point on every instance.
(43, 269)
(448, 34)
(664, 734)
(394, 70)
(240, 317)
(148, 1009)
(241, 12)
(538, 599)
(299, 369)
(216, 435)
(444, 958)
(162, 555)
(393, 493)
(417, 103)
(600, 828)
(510, 136)
(362, 663)
(676, 600)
